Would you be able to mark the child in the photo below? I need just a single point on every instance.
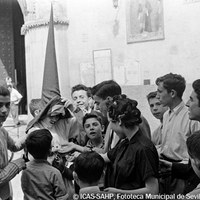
(35, 107)
(40, 180)
(81, 96)
(93, 127)
(82, 101)
(88, 169)
(157, 110)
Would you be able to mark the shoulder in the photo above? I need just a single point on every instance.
(4, 132)
(142, 143)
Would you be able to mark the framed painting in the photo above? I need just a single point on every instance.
(144, 20)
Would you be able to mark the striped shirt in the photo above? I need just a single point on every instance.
(7, 169)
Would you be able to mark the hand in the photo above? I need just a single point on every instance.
(58, 163)
(112, 190)
(67, 147)
(68, 104)
(75, 155)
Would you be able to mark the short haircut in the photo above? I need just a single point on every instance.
(124, 109)
(193, 143)
(92, 115)
(152, 95)
(89, 167)
(34, 105)
(38, 143)
(106, 88)
(4, 91)
(81, 87)
(173, 82)
(196, 87)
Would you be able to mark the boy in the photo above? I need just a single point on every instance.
(82, 100)
(35, 107)
(93, 127)
(88, 169)
(40, 180)
(157, 110)
(81, 96)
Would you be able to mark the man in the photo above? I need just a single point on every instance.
(15, 97)
(158, 110)
(101, 94)
(176, 123)
(185, 171)
(8, 170)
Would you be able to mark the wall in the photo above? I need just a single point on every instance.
(92, 26)
(95, 25)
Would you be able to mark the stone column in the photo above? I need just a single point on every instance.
(36, 17)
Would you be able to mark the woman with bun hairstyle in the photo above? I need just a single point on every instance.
(134, 159)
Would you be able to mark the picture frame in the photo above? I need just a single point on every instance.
(102, 59)
(145, 20)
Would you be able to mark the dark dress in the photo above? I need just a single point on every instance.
(133, 162)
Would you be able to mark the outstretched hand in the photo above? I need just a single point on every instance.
(67, 148)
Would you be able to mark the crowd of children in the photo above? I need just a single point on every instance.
(101, 143)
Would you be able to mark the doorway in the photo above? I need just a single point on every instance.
(12, 47)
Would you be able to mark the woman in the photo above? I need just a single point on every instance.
(134, 159)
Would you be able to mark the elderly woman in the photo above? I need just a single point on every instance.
(134, 159)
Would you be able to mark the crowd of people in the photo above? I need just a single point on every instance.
(100, 143)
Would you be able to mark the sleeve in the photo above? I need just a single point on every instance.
(74, 128)
(194, 126)
(60, 192)
(12, 169)
(148, 163)
(12, 145)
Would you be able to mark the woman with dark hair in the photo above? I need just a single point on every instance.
(134, 159)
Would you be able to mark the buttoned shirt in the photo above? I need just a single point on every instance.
(40, 180)
(177, 127)
(15, 96)
(157, 135)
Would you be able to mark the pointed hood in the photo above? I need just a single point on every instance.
(50, 89)
(50, 86)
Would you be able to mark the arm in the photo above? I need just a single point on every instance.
(12, 145)
(71, 147)
(151, 187)
(11, 170)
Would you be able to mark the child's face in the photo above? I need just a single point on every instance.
(81, 99)
(93, 128)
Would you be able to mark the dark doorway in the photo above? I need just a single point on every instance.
(12, 48)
